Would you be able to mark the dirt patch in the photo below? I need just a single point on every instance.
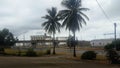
(48, 62)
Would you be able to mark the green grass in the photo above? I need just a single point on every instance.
(9, 51)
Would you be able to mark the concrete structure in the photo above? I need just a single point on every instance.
(36, 38)
(40, 37)
(62, 38)
(100, 42)
(83, 43)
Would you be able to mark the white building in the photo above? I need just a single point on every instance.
(101, 42)
(62, 38)
(36, 38)
(40, 37)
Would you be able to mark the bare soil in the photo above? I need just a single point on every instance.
(48, 62)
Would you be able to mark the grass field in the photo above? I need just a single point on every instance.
(63, 59)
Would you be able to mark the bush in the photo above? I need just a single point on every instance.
(113, 57)
(9, 51)
(109, 47)
(89, 55)
(1, 50)
(31, 53)
(48, 52)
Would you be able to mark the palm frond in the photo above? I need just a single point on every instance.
(63, 13)
(81, 19)
(70, 4)
(84, 15)
(51, 25)
(73, 17)
(83, 9)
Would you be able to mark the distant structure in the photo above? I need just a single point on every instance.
(37, 41)
(36, 38)
(62, 38)
(100, 42)
(40, 37)
(84, 43)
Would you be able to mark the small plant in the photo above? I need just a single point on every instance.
(113, 57)
(31, 53)
(89, 55)
(48, 52)
(1, 50)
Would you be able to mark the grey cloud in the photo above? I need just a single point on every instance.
(25, 15)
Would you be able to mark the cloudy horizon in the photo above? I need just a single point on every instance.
(23, 17)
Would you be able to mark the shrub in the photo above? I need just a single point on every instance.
(89, 55)
(48, 51)
(9, 51)
(1, 50)
(113, 57)
(40, 53)
(31, 53)
(109, 47)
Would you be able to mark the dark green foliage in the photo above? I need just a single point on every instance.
(89, 55)
(51, 25)
(1, 50)
(109, 47)
(31, 53)
(6, 38)
(71, 42)
(113, 57)
(111, 50)
(112, 45)
(48, 52)
(73, 17)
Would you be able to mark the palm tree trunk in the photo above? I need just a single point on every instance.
(54, 44)
(74, 51)
(69, 41)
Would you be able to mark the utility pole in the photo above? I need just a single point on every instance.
(115, 25)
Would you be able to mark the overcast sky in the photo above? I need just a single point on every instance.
(23, 17)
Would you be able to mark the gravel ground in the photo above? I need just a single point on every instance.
(48, 62)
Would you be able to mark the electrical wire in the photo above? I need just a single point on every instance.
(103, 11)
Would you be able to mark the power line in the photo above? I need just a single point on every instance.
(103, 11)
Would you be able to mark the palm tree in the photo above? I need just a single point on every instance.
(73, 17)
(52, 25)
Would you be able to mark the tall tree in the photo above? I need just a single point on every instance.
(73, 16)
(52, 24)
(6, 38)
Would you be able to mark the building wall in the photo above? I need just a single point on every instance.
(84, 43)
(101, 42)
(40, 37)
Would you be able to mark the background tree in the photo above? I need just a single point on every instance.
(71, 42)
(6, 39)
(52, 25)
(112, 45)
(113, 52)
(73, 17)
